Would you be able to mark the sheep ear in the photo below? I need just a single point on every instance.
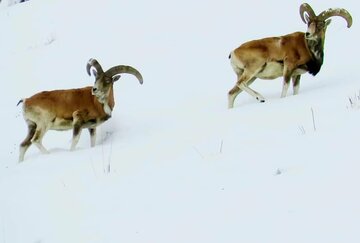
(327, 22)
(116, 77)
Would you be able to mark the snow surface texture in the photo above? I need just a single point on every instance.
(173, 164)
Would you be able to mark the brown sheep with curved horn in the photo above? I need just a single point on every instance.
(287, 56)
(74, 109)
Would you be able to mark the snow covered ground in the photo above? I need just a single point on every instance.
(173, 164)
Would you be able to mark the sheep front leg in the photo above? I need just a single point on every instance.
(285, 88)
(78, 122)
(76, 136)
(288, 70)
(92, 132)
(296, 84)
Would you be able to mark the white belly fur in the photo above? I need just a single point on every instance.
(67, 124)
(275, 70)
(272, 70)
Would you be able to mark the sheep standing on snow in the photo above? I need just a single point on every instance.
(288, 56)
(74, 109)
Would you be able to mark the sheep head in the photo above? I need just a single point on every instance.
(317, 24)
(105, 80)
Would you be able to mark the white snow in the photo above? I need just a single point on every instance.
(173, 164)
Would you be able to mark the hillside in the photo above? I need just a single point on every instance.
(173, 164)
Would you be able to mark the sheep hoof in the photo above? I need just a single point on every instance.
(262, 100)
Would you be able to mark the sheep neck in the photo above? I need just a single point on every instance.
(107, 101)
(316, 48)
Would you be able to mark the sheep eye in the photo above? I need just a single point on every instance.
(320, 25)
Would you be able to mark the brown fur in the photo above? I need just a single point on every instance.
(291, 49)
(63, 103)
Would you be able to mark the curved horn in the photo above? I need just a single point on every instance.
(336, 12)
(93, 63)
(124, 69)
(306, 9)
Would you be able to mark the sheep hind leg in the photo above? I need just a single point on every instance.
(236, 90)
(37, 139)
(233, 93)
(27, 141)
(252, 92)
(244, 83)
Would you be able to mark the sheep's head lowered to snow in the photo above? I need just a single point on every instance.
(74, 109)
(288, 56)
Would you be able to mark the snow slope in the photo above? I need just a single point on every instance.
(173, 164)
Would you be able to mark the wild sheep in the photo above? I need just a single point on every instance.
(74, 109)
(289, 56)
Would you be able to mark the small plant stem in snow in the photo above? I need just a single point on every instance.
(103, 157)
(198, 152)
(63, 183)
(221, 146)
(302, 130)
(278, 172)
(351, 102)
(109, 160)
(355, 100)
(313, 118)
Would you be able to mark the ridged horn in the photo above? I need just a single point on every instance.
(95, 64)
(124, 69)
(331, 12)
(306, 9)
